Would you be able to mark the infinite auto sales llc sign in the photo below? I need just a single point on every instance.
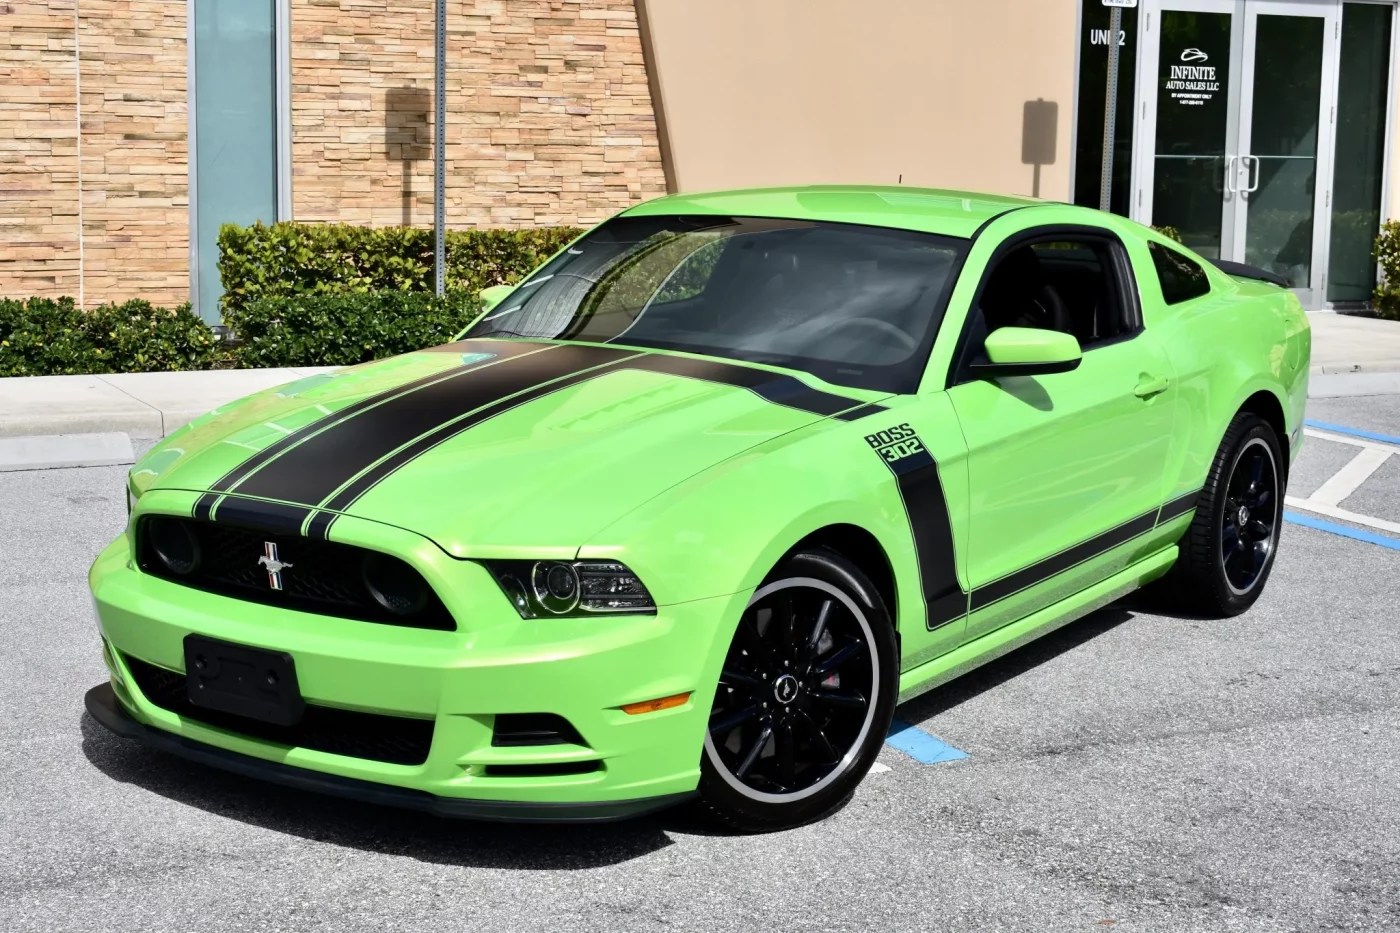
(1192, 82)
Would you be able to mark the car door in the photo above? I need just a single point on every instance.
(1066, 471)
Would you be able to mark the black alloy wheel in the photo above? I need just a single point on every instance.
(1249, 517)
(804, 698)
(1227, 552)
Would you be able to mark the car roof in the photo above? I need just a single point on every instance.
(929, 210)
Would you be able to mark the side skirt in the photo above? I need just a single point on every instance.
(1008, 638)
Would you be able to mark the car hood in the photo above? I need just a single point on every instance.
(487, 447)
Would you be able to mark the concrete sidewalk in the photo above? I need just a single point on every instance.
(1350, 343)
(1351, 356)
(137, 404)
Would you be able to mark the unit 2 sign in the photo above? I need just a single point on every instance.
(1125, 4)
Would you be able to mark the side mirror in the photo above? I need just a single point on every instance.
(1027, 351)
(494, 295)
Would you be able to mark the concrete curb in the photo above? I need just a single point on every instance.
(141, 405)
(64, 450)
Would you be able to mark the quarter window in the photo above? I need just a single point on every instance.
(1181, 278)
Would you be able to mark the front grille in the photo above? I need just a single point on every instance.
(373, 736)
(323, 577)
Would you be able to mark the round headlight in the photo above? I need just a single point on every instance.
(556, 586)
(173, 544)
(394, 585)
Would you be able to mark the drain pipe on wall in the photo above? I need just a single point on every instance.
(78, 115)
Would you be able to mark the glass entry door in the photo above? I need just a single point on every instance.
(1236, 130)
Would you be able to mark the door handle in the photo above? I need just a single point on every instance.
(1149, 386)
(1230, 174)
(1251, 170)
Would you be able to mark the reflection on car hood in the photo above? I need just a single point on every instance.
(484, 446)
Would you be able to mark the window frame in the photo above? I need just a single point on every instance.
(282, 135)
(1120, 270)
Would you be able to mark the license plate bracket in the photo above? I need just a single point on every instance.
(244, 681)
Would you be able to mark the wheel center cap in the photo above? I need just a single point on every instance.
(785, 689)
(1243, 515)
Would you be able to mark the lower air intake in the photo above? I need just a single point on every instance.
(395, 740)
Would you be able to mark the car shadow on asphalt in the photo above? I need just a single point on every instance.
(387, 830)
(1026, 658)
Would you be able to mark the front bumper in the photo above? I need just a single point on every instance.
(102, 705)
(581, 669)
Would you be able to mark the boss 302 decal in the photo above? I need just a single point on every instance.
(916, 473)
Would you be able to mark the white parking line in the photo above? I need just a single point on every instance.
(1330, 511)
(1346, 480)
(1325, 500)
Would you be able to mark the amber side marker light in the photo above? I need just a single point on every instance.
(652, 706)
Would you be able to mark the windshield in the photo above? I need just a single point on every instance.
(856, 306)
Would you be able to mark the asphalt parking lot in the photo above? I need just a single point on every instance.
(1133, 771)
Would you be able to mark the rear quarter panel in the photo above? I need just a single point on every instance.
(1240, 339)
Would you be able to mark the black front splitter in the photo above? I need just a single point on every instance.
(103, 706)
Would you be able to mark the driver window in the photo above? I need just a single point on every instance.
(1063, 284)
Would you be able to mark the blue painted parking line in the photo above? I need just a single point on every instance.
(1346, 531)
(920, 745)
(1354, 432)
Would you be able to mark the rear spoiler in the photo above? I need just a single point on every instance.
(1249, 272)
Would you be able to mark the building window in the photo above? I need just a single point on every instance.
(1093, 84)
(1359, 171)
(236, 100)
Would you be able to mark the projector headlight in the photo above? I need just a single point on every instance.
(557, 589)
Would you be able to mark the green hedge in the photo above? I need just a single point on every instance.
(339, 330)
(286, 259)
(49, 337)
(1386, 298)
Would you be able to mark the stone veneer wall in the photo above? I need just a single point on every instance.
(550, 118)
(38, 162)
(550, 122)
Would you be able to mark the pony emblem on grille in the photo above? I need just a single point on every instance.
(273, 564)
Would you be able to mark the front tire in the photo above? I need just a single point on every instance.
(1229, 548)
(805, 698)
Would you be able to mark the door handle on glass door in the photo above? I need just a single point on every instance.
(1251, 170)
(1149, 386)
(1230, 171)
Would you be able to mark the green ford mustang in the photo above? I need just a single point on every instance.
(690, 509)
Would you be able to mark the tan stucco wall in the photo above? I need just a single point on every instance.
(806, 91)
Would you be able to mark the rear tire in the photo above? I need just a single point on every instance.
(1228, 550)
(805, 698)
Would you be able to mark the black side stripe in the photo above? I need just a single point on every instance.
(927, 510)
(1178, 507)
(496, 349)
(1056, 564)
(310, 472)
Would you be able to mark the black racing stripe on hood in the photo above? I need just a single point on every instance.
(497, 349)
(311, 471)
(778, 388)
(772, 387)
(273, 517)
(347, 496)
